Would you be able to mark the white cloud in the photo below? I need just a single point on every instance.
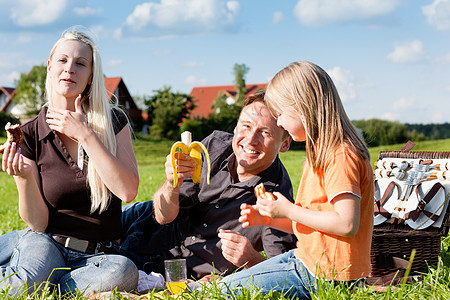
(173, 17)
(438, 117)
(194, 64)
(87, 11)
(162, 53)
(407, 52)
(390, 116)
(27, 13)
(344, 81)
(8, 80)
(320, 12)
(16, 60)
(438, 14)
(193, 80)
(277, 17)
(24, 38)
(403, 104)
(115, 62)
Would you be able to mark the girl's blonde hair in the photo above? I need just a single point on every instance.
(97, 108)
(307, 88)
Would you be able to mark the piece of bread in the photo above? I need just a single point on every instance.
(260, 192)
(14, 134)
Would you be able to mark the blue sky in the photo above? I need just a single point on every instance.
(389, 59)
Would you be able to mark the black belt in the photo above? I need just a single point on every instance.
(84, 246)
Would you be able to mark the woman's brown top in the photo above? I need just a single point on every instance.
(64, 187)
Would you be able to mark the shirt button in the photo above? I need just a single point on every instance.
(205, 225)
(217, 206)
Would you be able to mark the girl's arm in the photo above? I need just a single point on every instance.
(342, 221)
(250, 216)
(32, 208)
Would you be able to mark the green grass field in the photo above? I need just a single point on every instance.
(151, 156)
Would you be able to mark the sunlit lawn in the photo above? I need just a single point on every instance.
(151, 156)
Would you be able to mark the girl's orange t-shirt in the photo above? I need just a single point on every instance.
(331, 256)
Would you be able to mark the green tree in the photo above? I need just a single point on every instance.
(240, 71)
(226, 112)
(167, 110)
(30, 92)
(381, 132)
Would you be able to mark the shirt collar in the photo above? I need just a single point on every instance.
(270, 174)
(43, 128)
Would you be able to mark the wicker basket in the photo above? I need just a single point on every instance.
(398, 240)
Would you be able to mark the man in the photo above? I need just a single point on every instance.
(199, 222)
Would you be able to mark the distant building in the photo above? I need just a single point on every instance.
(204, 97)
(6, 95)
(114, 85)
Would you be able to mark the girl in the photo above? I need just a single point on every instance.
(333, 214)
(74, 168)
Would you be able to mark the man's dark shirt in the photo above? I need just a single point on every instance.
(204, 209)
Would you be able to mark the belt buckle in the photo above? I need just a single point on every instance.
(76, 244)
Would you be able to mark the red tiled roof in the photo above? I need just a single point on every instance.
(111, 84)
(205, 96)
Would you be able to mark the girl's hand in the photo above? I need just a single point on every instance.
(274, 209)
(250, 216)
(72, 124)
(185, 167)
(12, 162)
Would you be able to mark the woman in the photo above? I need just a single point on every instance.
(75, 166)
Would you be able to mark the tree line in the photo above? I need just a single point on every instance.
(169, 113)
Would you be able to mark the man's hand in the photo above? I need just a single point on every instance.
(238, 250)
(185, 167)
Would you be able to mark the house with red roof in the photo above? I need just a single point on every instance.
(204, 97)
(114, 85)
(6, 95)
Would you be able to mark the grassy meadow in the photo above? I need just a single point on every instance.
(151, 156)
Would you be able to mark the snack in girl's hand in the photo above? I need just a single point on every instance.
(260, 192)
(14, 135)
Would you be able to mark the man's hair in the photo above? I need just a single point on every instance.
(258, 96)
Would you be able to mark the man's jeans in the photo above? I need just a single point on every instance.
(28, 258)
(283, 273)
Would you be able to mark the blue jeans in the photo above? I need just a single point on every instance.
(28, 258)
(283, 273)
(144, 241)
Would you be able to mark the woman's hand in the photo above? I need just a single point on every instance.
(72, 124)
(278, 208)
(13, 163)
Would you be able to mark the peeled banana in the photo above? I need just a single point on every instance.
(194, 149)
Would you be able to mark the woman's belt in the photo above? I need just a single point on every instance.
(84, 246)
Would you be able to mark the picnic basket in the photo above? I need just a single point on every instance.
(411, 209)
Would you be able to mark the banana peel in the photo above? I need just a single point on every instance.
(194, 150)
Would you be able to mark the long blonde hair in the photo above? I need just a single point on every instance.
(307, 88)
(97, 108)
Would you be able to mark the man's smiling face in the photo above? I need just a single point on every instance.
(257, 140)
